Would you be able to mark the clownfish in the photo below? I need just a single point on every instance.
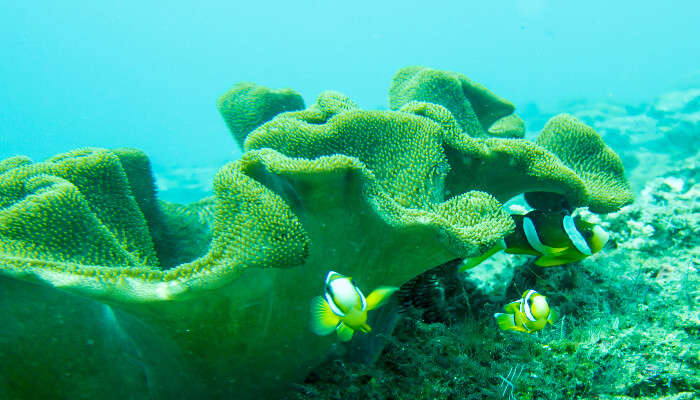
(556, 238)
(530, 313)
(343, 308)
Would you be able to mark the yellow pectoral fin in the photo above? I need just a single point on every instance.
(323, 320)
(380, 296)
(344, 332)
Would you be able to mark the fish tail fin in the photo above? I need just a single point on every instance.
(513, 307)
(323, 320)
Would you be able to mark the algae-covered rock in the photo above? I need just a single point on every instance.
(677, 102)
(679, 120)
(666, 213)
(657, 132)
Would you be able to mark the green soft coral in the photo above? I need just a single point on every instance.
(580, 148)
(474, 107)
(12, 162)
(378, 195)
(510, 126)
(422, 156)
(48, 210)
(241, 310)
(137, 169)
(246, 106)
(401, 149)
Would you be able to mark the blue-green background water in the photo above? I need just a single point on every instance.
(146, 74)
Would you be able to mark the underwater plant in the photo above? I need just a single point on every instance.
(212, 299)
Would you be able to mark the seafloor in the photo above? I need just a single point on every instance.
(629, 316)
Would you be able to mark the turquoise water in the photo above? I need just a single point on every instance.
(186, 268)
(146, 75)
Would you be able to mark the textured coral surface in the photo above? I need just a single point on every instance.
(211, 299)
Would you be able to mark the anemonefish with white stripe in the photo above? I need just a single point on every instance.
(343, 308)
(556, 238)
(528, 314)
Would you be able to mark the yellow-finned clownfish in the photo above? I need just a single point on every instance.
(528, 314)
(555, 237)
(343, 308)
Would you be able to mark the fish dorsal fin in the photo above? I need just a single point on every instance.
(575, 235)
(534, 240)
(513, 306)
(505, 321)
